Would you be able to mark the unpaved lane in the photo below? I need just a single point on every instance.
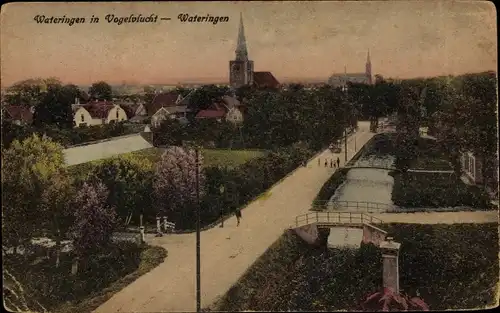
(440, 217)
(225, 252)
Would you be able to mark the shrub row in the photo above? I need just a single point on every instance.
(448, 266)
(436, 190)
(242, 184)
(67, 137)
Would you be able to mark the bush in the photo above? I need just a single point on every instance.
(52, 286)
(436, 190)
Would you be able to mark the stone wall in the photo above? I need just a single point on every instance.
(372, 234)
(309, 233)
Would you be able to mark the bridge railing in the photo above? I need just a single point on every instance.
(335, 218)
(360, 206)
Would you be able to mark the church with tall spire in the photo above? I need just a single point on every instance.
(241, 69)
(341, 79)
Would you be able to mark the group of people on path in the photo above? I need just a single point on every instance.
(333, 163)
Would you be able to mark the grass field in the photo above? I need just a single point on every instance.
(211, 157)
(448, 266)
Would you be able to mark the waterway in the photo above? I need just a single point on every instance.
(366, 184)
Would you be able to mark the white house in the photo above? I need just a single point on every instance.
(234, 115)
(98, 113)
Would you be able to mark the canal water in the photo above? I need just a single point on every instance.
(366, 184)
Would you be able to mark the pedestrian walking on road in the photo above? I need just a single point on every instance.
(334, 165)
(238, 216)
(331, 163)
(338, 162)
(326, 163)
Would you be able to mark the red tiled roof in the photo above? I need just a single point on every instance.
(164, 99)
(211, 114)
(99, 109)
(265, 79)
(19, 113)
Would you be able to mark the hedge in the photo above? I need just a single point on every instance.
(412, 189)
(448, 266)
(67, 137)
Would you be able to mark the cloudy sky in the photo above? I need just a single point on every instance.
(291, 39)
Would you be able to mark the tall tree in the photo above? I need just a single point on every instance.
(27, 92)
(55, 106)
(94, 219)
(174, 185)
(129, 182)
(101, 91)
(31, 171)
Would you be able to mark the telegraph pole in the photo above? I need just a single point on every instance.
(345, 144)
(344, 89)
(198, 271)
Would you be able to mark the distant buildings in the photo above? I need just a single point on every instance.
(241, 69)
(338, 80)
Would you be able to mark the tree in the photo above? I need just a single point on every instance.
(27, 92)
(55, 106)
(101, 91)
(31, 171)
(129, 182)
(94, 219)
(174, 185)
(202, 98)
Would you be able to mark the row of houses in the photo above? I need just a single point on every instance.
(165, 105)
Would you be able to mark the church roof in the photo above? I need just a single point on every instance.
(265, 79)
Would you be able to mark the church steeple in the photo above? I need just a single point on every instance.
(368, 71)
(241, 68)
(241, 48)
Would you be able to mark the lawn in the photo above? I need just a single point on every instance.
(211, 157)
(449, 266)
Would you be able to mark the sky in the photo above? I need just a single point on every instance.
(299, 40)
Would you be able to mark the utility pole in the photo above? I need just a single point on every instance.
(344, 89)
(345, 144)
(198, 271)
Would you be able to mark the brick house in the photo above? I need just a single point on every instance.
(228, 108)
(18, 114)
(165, 105)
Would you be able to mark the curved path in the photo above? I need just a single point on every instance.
(226, 252)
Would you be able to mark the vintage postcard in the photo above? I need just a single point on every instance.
(249, 156)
